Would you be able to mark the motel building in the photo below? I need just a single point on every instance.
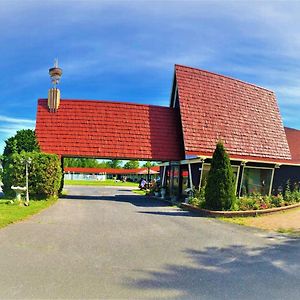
(102, 174)
(204, 108)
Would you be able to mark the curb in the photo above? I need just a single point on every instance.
(233, 214)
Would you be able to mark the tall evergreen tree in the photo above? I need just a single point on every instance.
(220, 188)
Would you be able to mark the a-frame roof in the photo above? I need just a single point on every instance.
(245, 117)
(106, 129)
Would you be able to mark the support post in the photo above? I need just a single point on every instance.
(148, 177)
(27, 185)
(190, 176)
(242, 177)
(201, 174)
(163, 177)
(271, 182)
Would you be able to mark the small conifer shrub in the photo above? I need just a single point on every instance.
(220, 187)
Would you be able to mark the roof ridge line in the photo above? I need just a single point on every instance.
(227, 77)
(291, 128)
(108, 101)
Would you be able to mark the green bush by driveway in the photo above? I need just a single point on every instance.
(44, 174)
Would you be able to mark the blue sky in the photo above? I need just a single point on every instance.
(126, 50)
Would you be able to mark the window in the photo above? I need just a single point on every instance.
(256, 180)
(206, 168)
(205, 171)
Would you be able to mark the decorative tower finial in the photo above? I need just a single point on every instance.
(55, 73)
(56, 63)
(54, 93)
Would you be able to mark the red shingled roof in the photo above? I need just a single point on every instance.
(293, 138)
(108, 170)
(245, 117)
(110, 130)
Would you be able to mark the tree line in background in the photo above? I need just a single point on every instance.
(91, 163)
(94, 163)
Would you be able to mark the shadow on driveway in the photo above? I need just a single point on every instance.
(136, 200)
(179, 213)
(234, 272)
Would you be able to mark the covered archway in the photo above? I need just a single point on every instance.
(111, 130)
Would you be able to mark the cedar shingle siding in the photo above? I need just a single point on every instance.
(110, 129)
(245, 117)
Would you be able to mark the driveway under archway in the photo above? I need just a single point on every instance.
(112, 243)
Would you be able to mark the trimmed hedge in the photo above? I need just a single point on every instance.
(44, 174)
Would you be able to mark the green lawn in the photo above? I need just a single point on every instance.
(109, 182)
(139, 192)
(11, 213)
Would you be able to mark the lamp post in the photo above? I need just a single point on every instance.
(27, 162)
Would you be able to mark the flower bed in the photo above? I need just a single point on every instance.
(232, 214)
(253, 204)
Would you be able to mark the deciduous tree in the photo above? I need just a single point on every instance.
(23, 140)
(132, 164)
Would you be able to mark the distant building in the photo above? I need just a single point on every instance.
(101, 174)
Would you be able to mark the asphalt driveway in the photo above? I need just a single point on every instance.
(108, 243)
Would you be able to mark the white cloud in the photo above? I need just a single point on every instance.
(9, 126)
(258, 42)
(16, 120)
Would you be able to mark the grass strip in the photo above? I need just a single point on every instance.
(139, 192)
(239, 221)
(289, 231)
(12, 213)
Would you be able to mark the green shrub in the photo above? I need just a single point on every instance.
(248, 203)
(296, 196)
(220, 188)
(198, 197)
(277, 201)
(288, 195)
(194, 201)
(291, 196)
(44, 174)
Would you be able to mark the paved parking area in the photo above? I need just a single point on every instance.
(108, 243)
